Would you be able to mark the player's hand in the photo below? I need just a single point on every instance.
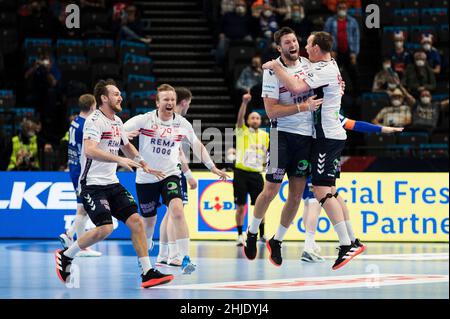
(390, 130)
(269, 65)
(128, 164)
(159, 175)
(222, 175)
(132, 134)
(312, 104)
(192, 183)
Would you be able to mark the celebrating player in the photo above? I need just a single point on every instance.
(161, 134)
(102, 194)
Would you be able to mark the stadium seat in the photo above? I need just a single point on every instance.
(76, 72)
(7, 99)
(137, 69)
(406, 17)
(434, 16)
(413, 138)
(132, 47)
(105, 70)
(419, 3)
(8, 40)
(140, 83)
(100, 50)
(313, 6)
(8, 19)
(93, 20)
(439, 139)
(379, 142)
(443, 34)
(240, 54)
(69, 47)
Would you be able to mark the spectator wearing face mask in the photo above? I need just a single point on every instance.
(227, 6)
(332, 4)
(268, 22)
(299, 22)
(24, 155)
(419, 76)
(235, 25)
(386, 78)
(346, 35)
(396, 115)
(400, 57)
(250, 76)
(426, 112)
(433, 56)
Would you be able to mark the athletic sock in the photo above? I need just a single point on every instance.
(341, 230)
(80, 225)
(163, 249)
(281, 232)
(255, 225)
(261, 229)
(173, 250)
(145, 264)
(72, 250)
(183, 246)
(309, 241)
(239, 228)
(350, 232)
(149, 243)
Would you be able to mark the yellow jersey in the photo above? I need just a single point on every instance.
(251, 149)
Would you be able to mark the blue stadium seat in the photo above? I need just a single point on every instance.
(69, 47)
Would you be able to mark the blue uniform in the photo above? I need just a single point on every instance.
(74, 150)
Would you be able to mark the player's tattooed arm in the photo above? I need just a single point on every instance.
(294, 85)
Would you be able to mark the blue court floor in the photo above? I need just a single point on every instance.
(385, 270)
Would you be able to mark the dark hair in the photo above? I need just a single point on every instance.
(324, 40)
(183, 94)
(282, 32)
(100, 89)
(85, 102)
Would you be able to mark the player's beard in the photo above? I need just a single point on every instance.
(116, 107)
(287, 55)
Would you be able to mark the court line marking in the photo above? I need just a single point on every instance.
(423, 256)
(319, 283)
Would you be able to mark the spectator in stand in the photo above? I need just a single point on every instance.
(397, 115)
(426, 112)
(25, 154)
(419, 76)
(299, 23)
(250, 76)
(386, 78)
(36, 19)
(433, 56)
(131, 26)
(333, 4)
(282, 8)
(346, 34)
(268, 24)
(234, 26)
(400, 57)
(227, 6)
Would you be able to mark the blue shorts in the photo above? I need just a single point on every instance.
(74, 177)
(184, 189)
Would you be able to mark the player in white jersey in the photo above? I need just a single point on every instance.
(329, 136)
(102, 194)
(161, 134)
(290, 144)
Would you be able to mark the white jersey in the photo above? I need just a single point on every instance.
(325, 78)
(160, 142)
(300, 123)
(110, 135)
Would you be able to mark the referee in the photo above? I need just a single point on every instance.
(251, 150)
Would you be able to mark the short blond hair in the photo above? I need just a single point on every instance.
(85, 102)
(164, 88)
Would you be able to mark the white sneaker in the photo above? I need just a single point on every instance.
(316, 248)
(240, 241)
(65, 240)
(161, 260)
(175, 261)
(88, 252)
(187, 267)
(311, 257)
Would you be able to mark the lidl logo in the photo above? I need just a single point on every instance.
(216, 207)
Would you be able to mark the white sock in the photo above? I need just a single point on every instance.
(71, 231)
(72, 250)
(309, 241)
(341, 230)
(254, 226)
(173, 250)
(149, 243)
(163, 249)
(281, 232)
(183, 246)
(80, 225)
(145, 264)
(350, 232)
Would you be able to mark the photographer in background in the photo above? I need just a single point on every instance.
(24, 156)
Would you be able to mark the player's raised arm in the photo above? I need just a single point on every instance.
(246, 98)
(295, 85)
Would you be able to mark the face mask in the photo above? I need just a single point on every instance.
(392, 86)
(240, 10)
(342, 13)
(427, 47)
(268, 34)
(267, 13)
(420, 63)
(396, 102)
(425, 100)
(386, 66)
(297, 17)
(399, 44)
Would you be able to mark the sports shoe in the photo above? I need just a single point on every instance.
(250, 249)
(176, 261)
(187, 267)
(154, 277)
(359, 244)
(66, 240)
(161, 260)
(63, 264)
(240, 241)
(346, 253)
(316, 248)
(274, 247)
(88, 252)
(311, 257)
(263, 239)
